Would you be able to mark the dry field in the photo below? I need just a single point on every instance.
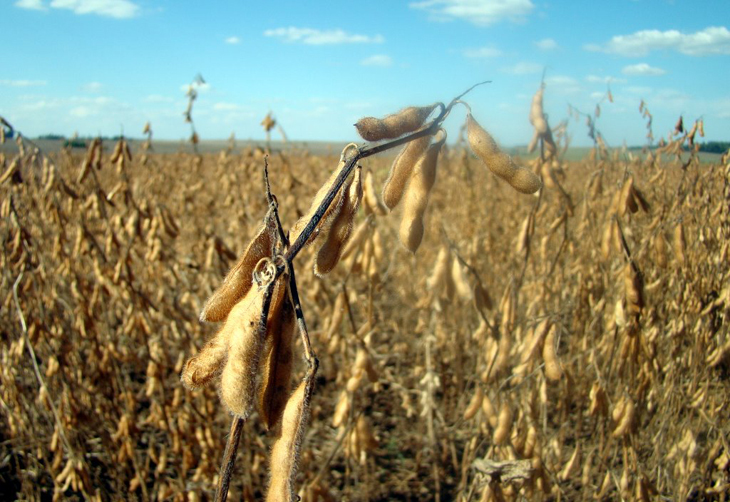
(570, 345)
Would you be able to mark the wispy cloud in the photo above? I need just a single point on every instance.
(642, 69)
(377, 60)
(563, 84)
(311, 36)
(92, 87)
(712, 40)
(233, 40)
(23, 83)
(546, 44)
(158, 98)
(119, 9)
(595, 79)
(478, 12)
(522, 68)
(30, 4)
(482, 52)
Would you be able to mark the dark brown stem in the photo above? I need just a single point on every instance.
(229, 459)
(301, 323)
(431, 129)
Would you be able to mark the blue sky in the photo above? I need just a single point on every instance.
(102, 66)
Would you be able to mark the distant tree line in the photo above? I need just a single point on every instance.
(80, 138)
(715, 146)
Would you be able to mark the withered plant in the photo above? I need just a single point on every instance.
(259, 303)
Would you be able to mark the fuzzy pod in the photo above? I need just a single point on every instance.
(400, 171)
(371, 202)
(245, 330)
(342, 408)
(553, 370)
(416, 195)
(440, 281)
(634, 289)
(537, 116)
(200, 369)
(405, 121)
(339, 232)
(240, 278)
(285, 452)
(331, 212)
(483, 145)
(504, 425)
(489, 412)
(278, 360)
(680, 244)
(482, 300)
(624, 415)
(660, 250)
(474, 404)
(461, 284)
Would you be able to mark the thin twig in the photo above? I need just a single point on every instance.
(229, 459)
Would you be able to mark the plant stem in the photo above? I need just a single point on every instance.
(229, 459)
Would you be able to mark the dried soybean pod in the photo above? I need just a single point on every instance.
(338, 312)
(401, 170)
(278, 359)
(533, 142)
(285, 452)
(440, 281)
(240, 278)
(489, 411)
(342, 408)
(474, 404)
(624, 418)
(481, 142)
(572, 466)
(482, 300)
(679, 243)
(372, 203)
(416, 197)
(245, 329)
(634, 289)
(628, 203)
(202, 367)
(405, 121)
(553, 371)
(334, 207)
(660, 250)
(339, 232)
(358, 237)
(537, 116)
(504, 424)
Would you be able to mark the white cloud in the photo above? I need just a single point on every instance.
(92, 87)
(233, 40)
(483, 52)
(30, 4)
(120, 9)
(523, 68)
(595, 79)
(478, 12)
(227, 107)
(547, 44)
(377, 60)
(23, 83)
(563, 84)
(712, 40)
(157, 98)
(642, 69)
(311, 36)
